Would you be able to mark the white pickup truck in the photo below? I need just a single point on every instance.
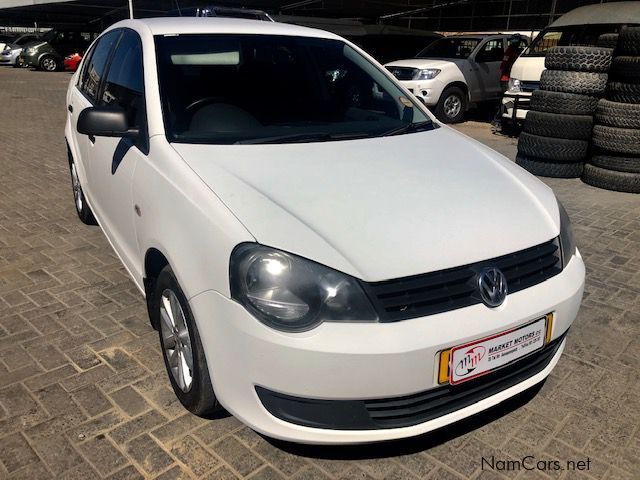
(454, 71)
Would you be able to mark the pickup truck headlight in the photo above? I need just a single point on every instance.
(567, 240)
(514, 85)
(428, 74)
(290, 293)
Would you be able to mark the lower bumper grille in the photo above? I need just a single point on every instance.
(408, 410)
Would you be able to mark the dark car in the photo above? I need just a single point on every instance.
(49, 52)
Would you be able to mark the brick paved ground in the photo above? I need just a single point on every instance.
(83, 393)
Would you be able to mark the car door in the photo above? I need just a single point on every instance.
(485, 70)
(112, 160)
(83, 95)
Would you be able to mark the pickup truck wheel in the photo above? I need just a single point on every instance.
(451, 106)
(182, 349)
(82, 208)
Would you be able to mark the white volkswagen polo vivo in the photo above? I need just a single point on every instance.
(320, 257)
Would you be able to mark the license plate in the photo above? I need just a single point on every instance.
(482, 356)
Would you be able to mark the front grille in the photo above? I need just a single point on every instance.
(405, 411)
(529, 86)
(403, 73)
(445, 290)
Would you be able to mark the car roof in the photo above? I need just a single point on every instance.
(603, 13)
(204, 25)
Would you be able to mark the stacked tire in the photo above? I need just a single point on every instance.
(557, 130)
(615, 161)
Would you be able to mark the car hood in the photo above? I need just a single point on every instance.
(381, 208)
(528, 69)
(425, 63)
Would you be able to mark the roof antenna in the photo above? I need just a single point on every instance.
(178, 8)
(131, 9)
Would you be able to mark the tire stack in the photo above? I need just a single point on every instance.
(615, 162)
(557, 130)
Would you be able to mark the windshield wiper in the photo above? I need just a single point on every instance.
(304, 137)
(410, 128)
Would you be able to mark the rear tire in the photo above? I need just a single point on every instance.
(451, 106)
(178, 329)
(549, 169)
(611, 180)
(559, 150)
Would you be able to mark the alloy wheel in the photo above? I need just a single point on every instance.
(77, 189)
(49, 64)
(452, 106)
(176, 340)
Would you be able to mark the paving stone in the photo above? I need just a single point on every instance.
(15, 452)
(101, 453)
(174, 473)
(148, 454)
(128, 473)
(237, 455)
(130, 401)
(92, 400)
(136, 426)
(194, 456)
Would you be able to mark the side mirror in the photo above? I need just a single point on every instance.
(105, 122)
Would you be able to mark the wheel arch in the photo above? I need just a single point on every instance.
(462, 86)
(154, 262)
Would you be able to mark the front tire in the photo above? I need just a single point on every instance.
(451, 106)
(82, 208)
(182, 349)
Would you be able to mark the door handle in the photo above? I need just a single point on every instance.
(70, 108)
(92, 139)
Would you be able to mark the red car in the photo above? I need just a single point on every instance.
(72, 61)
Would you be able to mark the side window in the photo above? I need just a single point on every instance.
(94, 69)
(124, 86)
(492, 51)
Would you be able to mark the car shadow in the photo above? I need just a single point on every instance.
(409, 445)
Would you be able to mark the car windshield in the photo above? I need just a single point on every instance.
(568, 35)
(451, 47)
(225, 89)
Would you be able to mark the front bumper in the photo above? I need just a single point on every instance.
(428, 90)
(515, 106)
(364, 361)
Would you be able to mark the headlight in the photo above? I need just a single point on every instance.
(567, 240)
(290, 293)
(514, 85)
(428, 74)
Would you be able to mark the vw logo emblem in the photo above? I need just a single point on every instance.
(493, 286)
